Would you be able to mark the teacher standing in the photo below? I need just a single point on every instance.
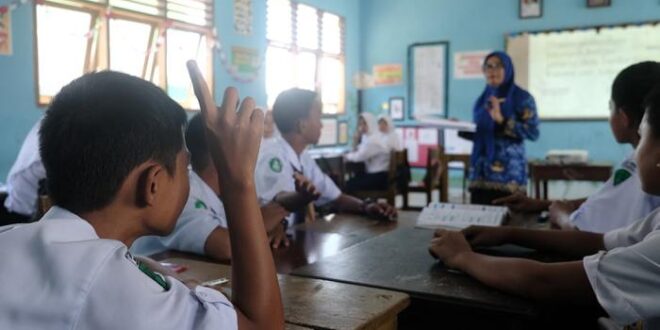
(505, 115)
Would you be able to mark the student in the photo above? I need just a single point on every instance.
(386, 128)
(24, 177)
(112, 146)
(270, 131)
(371, 148)
(297, 114)
(202, 226)
(603, 210)
(619, 271)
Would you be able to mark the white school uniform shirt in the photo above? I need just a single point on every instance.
(274, 172)
(58, 274)
(626, 277)
(203, 213)
(374, 152)
(25, 174)
(619, 202)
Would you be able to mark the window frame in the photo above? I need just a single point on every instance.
(97, 55)
(295, 50)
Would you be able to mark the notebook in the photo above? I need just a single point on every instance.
(459, 216)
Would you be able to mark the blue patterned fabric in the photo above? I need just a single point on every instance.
(498, 158)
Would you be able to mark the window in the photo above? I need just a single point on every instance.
(305, 50)
(150, 39)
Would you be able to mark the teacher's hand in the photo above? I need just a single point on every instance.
(495, 111)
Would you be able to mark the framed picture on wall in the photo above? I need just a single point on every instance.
(530, 8)
(397, 108)
(598, 3)
(428, 79)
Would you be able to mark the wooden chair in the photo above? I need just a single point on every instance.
(431, 179)
(444, 176)
(398, 175)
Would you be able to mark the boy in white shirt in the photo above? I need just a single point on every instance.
(112, 146)
(24, 177)
(202, 226)
(297, 114)
(602, 211)
(618, 272)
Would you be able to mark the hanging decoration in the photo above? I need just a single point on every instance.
(233, 70)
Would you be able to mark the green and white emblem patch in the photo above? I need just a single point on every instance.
(621, 175)
(275, 165)
(200, 205)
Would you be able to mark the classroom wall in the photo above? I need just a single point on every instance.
(18, 109)
(389, 26)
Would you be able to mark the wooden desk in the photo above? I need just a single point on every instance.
(400, 261)
(310, 303)
(541, 172)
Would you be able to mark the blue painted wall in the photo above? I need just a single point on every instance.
(18, 109)
(389, 26)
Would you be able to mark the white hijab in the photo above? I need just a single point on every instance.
(390, 138)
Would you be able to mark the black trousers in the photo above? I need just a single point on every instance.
(368, 181)
(486, 196)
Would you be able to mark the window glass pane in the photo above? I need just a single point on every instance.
(306, 71)
(331, 34)
(279, 72)
(129, 41)
(278, 26)
(307, 27)
(332, 80)
(181, 47)
(62, 45)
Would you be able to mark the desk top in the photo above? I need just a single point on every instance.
(317, 303)
(400, 261)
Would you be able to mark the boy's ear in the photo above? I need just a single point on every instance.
(625, 119)
(300, 126)
(148, 185)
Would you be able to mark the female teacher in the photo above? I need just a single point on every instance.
(505, 115)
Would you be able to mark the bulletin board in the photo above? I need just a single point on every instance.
(427, 85)
(418, 141)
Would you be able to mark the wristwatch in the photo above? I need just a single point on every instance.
(365, 203)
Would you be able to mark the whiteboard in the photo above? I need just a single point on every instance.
(570, 72)
(427, 85)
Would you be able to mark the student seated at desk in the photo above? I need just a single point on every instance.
(24, 177)
(297, 114)
(202, 226)
(371, 148)
(386, 128)
(621, 199)
(113, 149)
(618, 272)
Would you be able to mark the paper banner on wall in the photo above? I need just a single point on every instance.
(388, 74)
(245, 60)
(343, 133)
(243, 17)
(467, 65)
(5, 32)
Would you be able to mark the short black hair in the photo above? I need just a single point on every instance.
(98, 129)
(652, 106)
(196, 143)
(291, 106)
(631, 86)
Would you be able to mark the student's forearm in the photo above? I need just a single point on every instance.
(291, 200)
(565, 282)
(218, 245)
(570, 243)
(575, 203)
(348, 203)
(254, 280)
